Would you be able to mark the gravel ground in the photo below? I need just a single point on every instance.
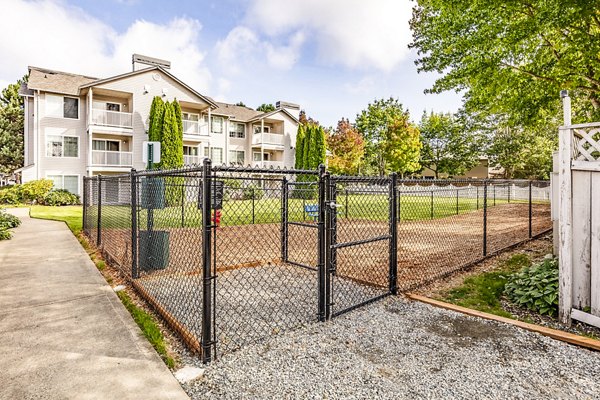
(395, 349)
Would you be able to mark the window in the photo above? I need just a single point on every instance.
(217, 124)
(266, 129)
(62, 107)
(237, 157)
(216, 155)
(237, 130)
(106, 145)
(256, 156)
(62, 146)
(190, 151)
(113, 107)
(67, 182)
(190, 116)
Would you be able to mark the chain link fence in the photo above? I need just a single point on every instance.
(230, 255)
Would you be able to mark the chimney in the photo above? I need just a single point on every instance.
(292, 108)
(139, 61)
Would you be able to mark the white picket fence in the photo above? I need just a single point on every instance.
(578, 193)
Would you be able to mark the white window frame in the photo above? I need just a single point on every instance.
(237, 151)
(212, 124)
(192, 147)
(106, 140)
(62, 177)
(63, 106)
(266, 129)
(235, 134)
(212, 155)
(262, 158)
(189, 114)
(46, 135)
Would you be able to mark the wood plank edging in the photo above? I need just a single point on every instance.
(552, 333)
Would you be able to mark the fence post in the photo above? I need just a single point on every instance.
(346, 205)
(530, 213)
(322, 270)
(85, 205)
(393, 283)
(485, 187)
(432, 204)
(183, 204)
(456, 201)
(284, 220)
(477, 187)
(253, 205)
(399, 214)
(207, 322)
(134, 253)
(99, 224)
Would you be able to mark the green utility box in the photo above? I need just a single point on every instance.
(153, 193)
(153, 250)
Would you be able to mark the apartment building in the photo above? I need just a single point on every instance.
(77, 125)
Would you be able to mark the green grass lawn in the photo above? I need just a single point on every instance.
(72, 215)
(483, 292)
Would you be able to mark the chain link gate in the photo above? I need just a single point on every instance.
(360, 241)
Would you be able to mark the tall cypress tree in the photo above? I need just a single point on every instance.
(300, 136)
(306, 147)
(155, 119)
(178, 143)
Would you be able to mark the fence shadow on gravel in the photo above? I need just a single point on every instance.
(229, 255)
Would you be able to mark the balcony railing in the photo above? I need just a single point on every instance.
(111, 118)
(112, 158)
(189, 160)
(268, 138)
(269, 164)
(195, 128)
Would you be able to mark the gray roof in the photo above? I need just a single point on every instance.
(238, 113)
(56, 81)
(24, 90)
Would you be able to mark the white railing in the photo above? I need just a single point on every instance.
(112, 158)
(111, 118)
(189, 160)
(195, 128)
(273, 164)
(268, 138)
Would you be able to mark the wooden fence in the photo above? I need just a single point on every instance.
(578, 211)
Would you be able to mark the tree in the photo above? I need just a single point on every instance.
(521, 153)
(155, 119)
(512, 57)
(264, 107)
(299, 152)
(310, 153)
(347, 147)
(374, 124)
(12, 121)
(401, 146)
(240, 104)
(171, 148)
(448, 147)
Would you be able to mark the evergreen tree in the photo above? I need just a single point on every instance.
(300, 137)
(11, 128)
(155, 119)
(178, 147)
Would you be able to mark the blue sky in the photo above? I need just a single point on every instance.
(332, 57)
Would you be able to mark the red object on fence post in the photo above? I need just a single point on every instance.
(216, 218)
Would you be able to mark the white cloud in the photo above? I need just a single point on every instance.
(58, 36)
(242, 47)
(352, 33)
(363, 86)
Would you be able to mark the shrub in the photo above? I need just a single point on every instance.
(7, 221)
(231, 189)
(35, 191)
(535, 287)
(30, 192)
(10, 195)
(60, 197)
(252, 191)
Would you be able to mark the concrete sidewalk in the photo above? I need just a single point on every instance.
(64, 334)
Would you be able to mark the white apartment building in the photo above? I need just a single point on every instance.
(77, 125)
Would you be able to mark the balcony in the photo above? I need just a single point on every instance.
(112, 158)
(189, 160)
(111, 118)
(274, 139)
(195, 128)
